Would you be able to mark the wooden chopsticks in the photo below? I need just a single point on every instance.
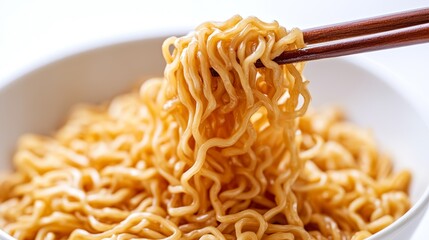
(366, 26)
(371, 34)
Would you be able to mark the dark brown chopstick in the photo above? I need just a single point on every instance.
(396, 38)
(389, 31)
(366, 26)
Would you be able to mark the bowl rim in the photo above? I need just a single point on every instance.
(94, 45)
(380, 71)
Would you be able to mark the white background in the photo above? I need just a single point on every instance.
(35, 32)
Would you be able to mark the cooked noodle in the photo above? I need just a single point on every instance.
(193, 156)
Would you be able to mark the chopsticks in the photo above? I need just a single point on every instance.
(366, 26)
(371, 34)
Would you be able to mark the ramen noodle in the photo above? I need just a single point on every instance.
(193, 156)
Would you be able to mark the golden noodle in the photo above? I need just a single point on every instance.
(193, 156)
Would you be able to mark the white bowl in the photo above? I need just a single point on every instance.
(39, 100)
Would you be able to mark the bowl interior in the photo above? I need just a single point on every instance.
(371, 100)
(38, 102)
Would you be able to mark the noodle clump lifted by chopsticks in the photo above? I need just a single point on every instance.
(192, 156)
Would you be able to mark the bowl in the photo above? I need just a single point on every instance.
(38, 102)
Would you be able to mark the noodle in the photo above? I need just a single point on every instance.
(192, 156)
